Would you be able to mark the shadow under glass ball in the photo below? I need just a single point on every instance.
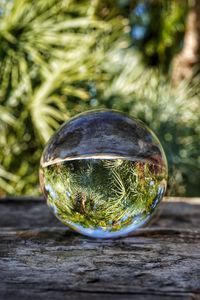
(103, 174)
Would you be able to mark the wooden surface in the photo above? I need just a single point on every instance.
(41, 259)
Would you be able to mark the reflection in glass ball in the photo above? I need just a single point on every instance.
(103, 174)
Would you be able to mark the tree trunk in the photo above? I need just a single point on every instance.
(189, 57)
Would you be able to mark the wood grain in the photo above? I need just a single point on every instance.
(40, 258)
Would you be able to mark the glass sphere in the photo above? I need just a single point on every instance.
(103, 173)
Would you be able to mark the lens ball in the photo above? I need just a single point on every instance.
(103, 173)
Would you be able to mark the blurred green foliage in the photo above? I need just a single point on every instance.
(58, 58)
(157, 30)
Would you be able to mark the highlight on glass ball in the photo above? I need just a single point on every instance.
(103, 174)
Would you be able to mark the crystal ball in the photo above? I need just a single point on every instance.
(103, 173)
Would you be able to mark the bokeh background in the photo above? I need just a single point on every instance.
(60, 58)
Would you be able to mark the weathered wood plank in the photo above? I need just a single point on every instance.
(30, 212)
(40, 258)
